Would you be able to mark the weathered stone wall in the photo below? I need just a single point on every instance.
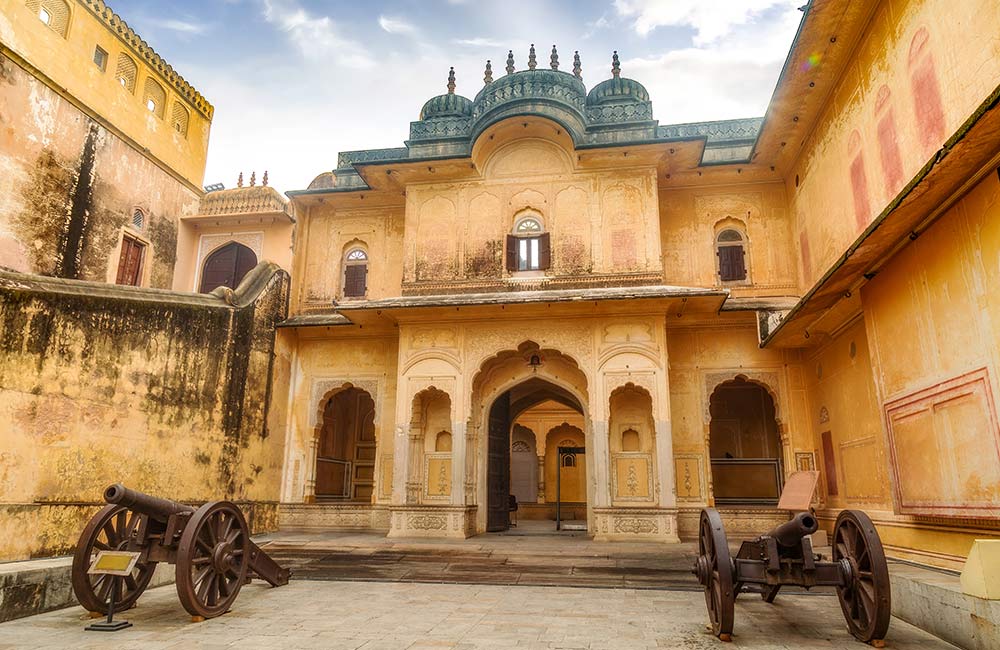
(165, 392)
(69, 188)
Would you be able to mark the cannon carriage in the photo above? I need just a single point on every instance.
(784, 557)
(210, 546)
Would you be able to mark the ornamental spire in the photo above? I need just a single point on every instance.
(253, 178)
(451, 81)
(263, 181)
(239, 181)
(532, 62)
(616, 68)
(510, 61)
(577, 68)
(488, 76)
(554, 59)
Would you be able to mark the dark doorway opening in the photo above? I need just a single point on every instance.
(345, 458)
(745, 445)
(502, 418)
(226, 267)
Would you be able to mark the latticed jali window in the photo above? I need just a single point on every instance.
(54, 13)
(126, 72)
(154, 97)
(179, 119)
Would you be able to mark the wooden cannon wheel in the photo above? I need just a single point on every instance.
(212, 559)
(714, 568)
(865, 598)
(109, 530)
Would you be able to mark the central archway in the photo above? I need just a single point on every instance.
(522, 400)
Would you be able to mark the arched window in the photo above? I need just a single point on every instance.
(54, 13)
(729, 248)
(356, 273)
(569, 460)
(226, 266)
(138, 219)
(154, 97)
(126, 72)
(528, 248)
(179, 119)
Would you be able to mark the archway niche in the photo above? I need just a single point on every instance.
(431, 422)
(517, 396)
(345, 455)
(631, 442)
(744, 444)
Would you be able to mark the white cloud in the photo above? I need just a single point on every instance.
(733, 78)
(181, 26)
(396, 25)
(478, 42)
(316, 37)
(710, 19)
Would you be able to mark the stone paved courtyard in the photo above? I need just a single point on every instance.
(389, 615)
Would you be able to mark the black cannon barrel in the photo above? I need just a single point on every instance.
(153, 507)
(793, 530)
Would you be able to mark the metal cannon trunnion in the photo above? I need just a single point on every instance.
(784, 556)
(210, 546)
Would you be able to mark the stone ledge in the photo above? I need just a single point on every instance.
(36, 586)
(933, 601)
(334, 516)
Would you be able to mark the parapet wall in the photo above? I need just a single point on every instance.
(165, 392)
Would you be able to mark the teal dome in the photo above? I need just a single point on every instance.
(448, 105)
(617, 89)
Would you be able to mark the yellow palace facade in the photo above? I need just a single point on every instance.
(547, 297)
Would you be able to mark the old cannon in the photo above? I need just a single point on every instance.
(210, 546)
(785, 557)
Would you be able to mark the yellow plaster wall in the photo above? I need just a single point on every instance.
(876, 95)
(691, 218)
(601, 222)
(276, 246)
(704, 355)
(326, 237)
(934, 327)
(69, 63)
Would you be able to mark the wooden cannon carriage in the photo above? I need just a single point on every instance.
(784, 557)
(210, 547)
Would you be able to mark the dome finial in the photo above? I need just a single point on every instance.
(451, 81)
(616, 68)
(554, 59)
(510, 61)
(263, 181)
(239, 181)
(488, 76)
(253, 179)
(531, 58)
(577, 68)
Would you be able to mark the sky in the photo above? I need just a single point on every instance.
(294, 82)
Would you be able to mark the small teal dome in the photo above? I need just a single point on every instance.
(449, 105)
(617, 89)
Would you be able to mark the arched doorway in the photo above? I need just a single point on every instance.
(528, 388)
(745, 444)
(226, 267)
(345, 455)
(531, 470)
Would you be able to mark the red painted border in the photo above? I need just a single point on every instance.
(979, 375)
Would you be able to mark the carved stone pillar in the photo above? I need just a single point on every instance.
(602, 475)
(309, 489)
(415, 459)
(400, 452)
(458, 442)
(541, 478)
(470, 464)
(665, 464)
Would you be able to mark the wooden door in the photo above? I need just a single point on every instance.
(498, 465)
(130, 262)
(226, 266)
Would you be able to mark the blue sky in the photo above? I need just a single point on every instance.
(296, 81)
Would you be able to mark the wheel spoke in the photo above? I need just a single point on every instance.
(204, 588)
(101, 546)
(210, 529)
(200, 576)
(110, 533)
(205, 546)
(121, 523)
(130, 583)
